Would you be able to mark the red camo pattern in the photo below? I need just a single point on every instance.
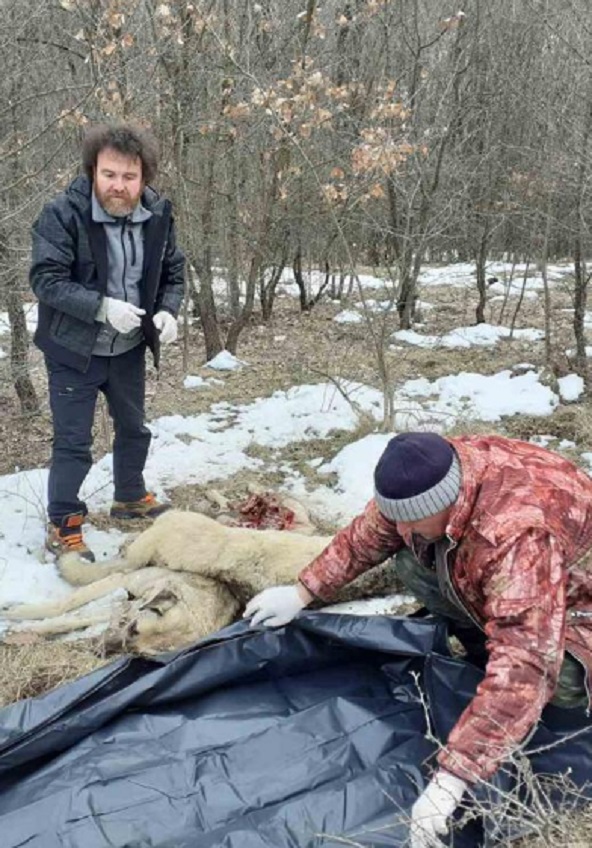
(523, 525)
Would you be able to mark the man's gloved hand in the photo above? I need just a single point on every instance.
(433, 808)
(122, 316)
(277, 606)
(167, 325)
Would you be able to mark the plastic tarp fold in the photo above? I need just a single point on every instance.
(310, 735)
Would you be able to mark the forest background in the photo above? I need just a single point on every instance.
(343, 138)
(299, 135)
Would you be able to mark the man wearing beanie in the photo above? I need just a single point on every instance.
(495, 535)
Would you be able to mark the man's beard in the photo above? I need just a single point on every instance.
(117, 206)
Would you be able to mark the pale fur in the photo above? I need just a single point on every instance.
(190, 541)
(185, 576)
(163, 610)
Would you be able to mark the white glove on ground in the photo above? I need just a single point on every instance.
(122, 316)
(433, 808)
(274, 607)
(167, 325)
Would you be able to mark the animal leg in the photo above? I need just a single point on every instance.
(77, 599)
(62, 624)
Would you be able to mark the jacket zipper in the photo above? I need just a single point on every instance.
(443, 574)
(132, 245)
(123, 222)
(123, 273)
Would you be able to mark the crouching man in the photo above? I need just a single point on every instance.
(495, 535)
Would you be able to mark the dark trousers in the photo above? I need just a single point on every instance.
(73, 398)
(422, 583)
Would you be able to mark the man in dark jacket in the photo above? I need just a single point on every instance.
(109, 279)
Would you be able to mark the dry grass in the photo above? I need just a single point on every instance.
(32, 669)
(572, 422)
(573, 829)
(549, 810)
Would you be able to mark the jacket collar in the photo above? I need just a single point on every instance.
(470, 484)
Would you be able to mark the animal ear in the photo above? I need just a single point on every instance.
(160, 600)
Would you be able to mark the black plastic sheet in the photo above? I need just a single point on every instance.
(301, 737)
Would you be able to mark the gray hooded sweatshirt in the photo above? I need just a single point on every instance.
(125, 261)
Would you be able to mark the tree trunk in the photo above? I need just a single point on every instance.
(267, 290)
(19, 338)
(481, 276)
(299, 280)
(240, 323)
(203, 293)
(19, 348)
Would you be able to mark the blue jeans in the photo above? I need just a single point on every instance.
(422, 582)
(73, 397)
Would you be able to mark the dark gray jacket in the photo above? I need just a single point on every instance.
(69, 273)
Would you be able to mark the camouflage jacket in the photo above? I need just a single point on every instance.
(521, 531)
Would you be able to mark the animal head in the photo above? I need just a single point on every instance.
(173, 612)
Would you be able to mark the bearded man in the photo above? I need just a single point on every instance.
(109, 280)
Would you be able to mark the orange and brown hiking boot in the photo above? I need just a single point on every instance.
(146, 507)
(66, 537)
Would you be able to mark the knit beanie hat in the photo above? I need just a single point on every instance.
(418, 475)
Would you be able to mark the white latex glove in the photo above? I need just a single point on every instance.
(167, 325)
(433, 808)
(274, 607)
(122, 316)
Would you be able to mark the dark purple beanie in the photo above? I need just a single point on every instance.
(418, 475)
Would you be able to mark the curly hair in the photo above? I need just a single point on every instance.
(127, 139)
